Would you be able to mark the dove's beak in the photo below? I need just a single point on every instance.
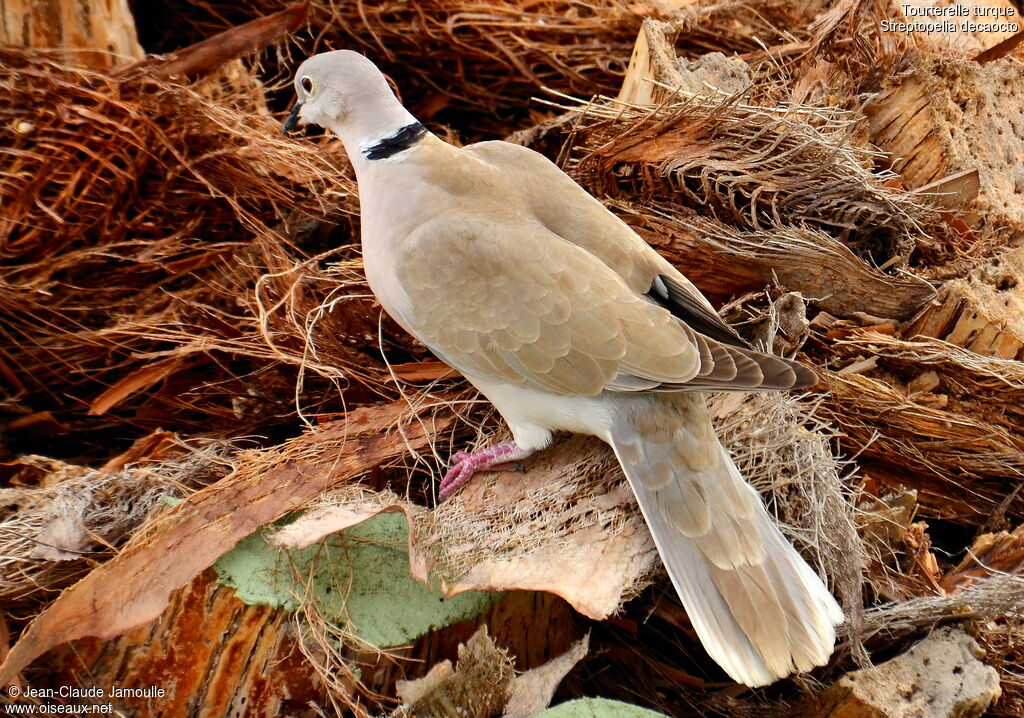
(292, 119)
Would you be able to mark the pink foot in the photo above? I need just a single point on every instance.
(465, 464)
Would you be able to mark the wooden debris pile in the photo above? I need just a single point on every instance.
(201, 401)
(138, 226)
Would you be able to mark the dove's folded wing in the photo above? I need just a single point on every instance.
(515, 302)
(569, 211)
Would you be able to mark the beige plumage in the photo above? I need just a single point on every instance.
(567, 320)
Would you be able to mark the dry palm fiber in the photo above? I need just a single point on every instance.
(749, 166)
(1002, 638)
(491, 57)
(138, 221)
(930, 415)
(501, 50)
(725, 261)
(1003, 650)
(786, 32)
(171, 550)
(728, 140)
(506, 52)
(53, 534)
(77, 140)
(478, 54)
(740, 195)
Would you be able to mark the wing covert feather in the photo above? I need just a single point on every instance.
(494, 299)
(546, 190)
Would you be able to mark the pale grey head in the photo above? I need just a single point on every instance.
(344, 92)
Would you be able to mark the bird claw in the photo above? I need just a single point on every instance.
(459, 473)
(465, 464)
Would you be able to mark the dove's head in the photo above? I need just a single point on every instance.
(344, 92)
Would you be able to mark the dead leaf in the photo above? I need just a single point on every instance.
(133, 588)
(533, 690)
(136, 381)
(62, 537)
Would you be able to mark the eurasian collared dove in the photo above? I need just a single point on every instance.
(566, 320)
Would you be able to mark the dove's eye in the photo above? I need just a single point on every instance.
(306, 83)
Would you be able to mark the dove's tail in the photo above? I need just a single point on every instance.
(758, 608)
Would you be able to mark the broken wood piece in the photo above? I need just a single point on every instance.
(482, 684)
(427, 370)
(983, 312)
(1002, 49)
(207, 55)
(637, 86)
(1001, 552)
(940, 116)
(952, 192)
(940, 677)
(215, 656)
(532, 691)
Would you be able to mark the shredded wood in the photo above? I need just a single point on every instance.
(169, 260)
(53, 534)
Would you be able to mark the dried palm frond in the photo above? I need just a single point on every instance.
(140, 217)
(53, 534)
(932, 416)
(753, 167)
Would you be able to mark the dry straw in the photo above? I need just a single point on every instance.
(53, 534)
(151, 249)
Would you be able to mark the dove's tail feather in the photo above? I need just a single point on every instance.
(759, 609)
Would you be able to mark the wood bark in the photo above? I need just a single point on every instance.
(938, 117)
(211, 654)
(983, 312)
(96, 33)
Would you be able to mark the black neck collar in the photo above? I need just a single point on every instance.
(398, 142)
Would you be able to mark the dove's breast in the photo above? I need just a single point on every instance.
(400, 195)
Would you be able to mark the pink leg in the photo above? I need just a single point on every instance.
(465, 464)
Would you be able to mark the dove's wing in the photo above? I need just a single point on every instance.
(510, 300)
(572, 213)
